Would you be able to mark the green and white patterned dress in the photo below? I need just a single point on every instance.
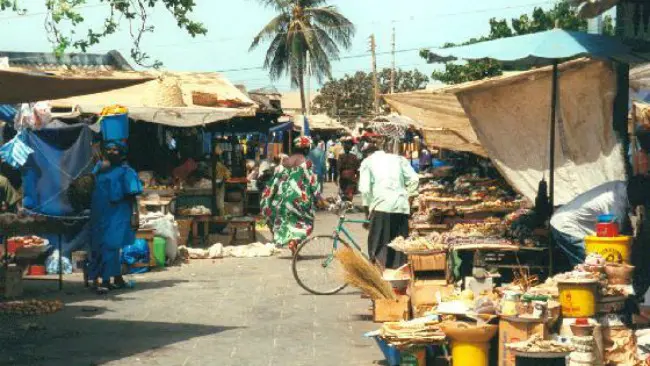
(289, 203)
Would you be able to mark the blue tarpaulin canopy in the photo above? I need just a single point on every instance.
(545, 48)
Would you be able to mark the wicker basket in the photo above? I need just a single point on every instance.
(184, 228)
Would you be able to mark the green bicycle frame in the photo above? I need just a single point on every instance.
(340, 228)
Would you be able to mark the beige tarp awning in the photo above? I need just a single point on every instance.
(443, 119)
(319, 122)
(511, 117)
(21, 86)
(178, 99)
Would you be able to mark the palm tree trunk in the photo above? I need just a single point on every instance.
(301, 84)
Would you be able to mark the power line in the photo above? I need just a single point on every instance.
(479, 11)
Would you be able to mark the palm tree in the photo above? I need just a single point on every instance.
(302, 27)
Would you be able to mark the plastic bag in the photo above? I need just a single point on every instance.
(138, 252)
(52, 264)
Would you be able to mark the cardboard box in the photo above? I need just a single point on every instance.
(511, 330)
(423, 292)
(392, 310)
(428, 262)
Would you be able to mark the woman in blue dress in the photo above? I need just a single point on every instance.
(113, 201)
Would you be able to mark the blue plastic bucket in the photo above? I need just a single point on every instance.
(115, 127)
(392, 354)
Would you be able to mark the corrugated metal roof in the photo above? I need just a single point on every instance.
(47, 61)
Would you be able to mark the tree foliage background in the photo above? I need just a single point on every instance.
(352, 95)
(538, 21)
(64, 21)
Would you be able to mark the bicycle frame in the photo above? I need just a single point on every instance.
(340, 228)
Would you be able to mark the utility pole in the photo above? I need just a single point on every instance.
(392, 70)
(375, 81)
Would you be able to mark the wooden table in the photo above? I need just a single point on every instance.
(163, 204)
(234, 223)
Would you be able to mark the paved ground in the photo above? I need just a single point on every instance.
(211, 312)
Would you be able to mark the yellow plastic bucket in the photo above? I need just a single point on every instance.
(578, 299)
(615, 250)
(470, 353)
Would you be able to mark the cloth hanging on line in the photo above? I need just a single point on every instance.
(15, 152)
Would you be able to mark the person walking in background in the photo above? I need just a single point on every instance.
(348, 165)
(387, 184)
(331, 161)
(111, 211)
(289, 202)
(317, 158)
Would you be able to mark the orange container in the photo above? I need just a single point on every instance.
(36, 270)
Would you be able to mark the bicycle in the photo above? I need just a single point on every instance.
(307, 266)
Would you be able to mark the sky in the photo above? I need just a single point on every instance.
(232, 24)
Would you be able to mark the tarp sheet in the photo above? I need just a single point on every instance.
(19, 86)
(443, 119)
(511, 117)
(60, 155)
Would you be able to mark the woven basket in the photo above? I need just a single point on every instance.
(184, 228)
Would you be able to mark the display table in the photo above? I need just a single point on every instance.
(40, 225)
(233, 223)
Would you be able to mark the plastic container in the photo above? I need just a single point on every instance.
(606, 229)
(613, 250)
(392, 354)
(12, 246)
(159, 245)
(36, 270)
(578, 298)
(115, 127)
(470, 353)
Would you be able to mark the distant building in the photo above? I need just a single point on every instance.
(44, 61)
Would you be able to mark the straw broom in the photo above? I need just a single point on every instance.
(360, 273)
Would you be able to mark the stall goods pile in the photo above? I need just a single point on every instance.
(411, 333)
(521, 225)
(27, 241)
(30, 307)
(418, 244)
(536, 344)
(360, 273)
(487, 228)
(195, 211)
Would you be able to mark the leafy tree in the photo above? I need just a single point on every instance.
(64, 17)
(353, 95)
(303, 27)
(540, 20)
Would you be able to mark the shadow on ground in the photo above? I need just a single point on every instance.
(62, 339)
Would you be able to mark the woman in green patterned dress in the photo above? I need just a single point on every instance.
(289, 202)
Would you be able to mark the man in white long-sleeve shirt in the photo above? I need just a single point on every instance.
(386, 182)
(578, 218)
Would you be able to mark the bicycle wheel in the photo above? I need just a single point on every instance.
(316, 269)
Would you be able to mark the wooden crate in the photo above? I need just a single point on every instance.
(517, 330)
(424, 292)
(392, 310)
(428, 262)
